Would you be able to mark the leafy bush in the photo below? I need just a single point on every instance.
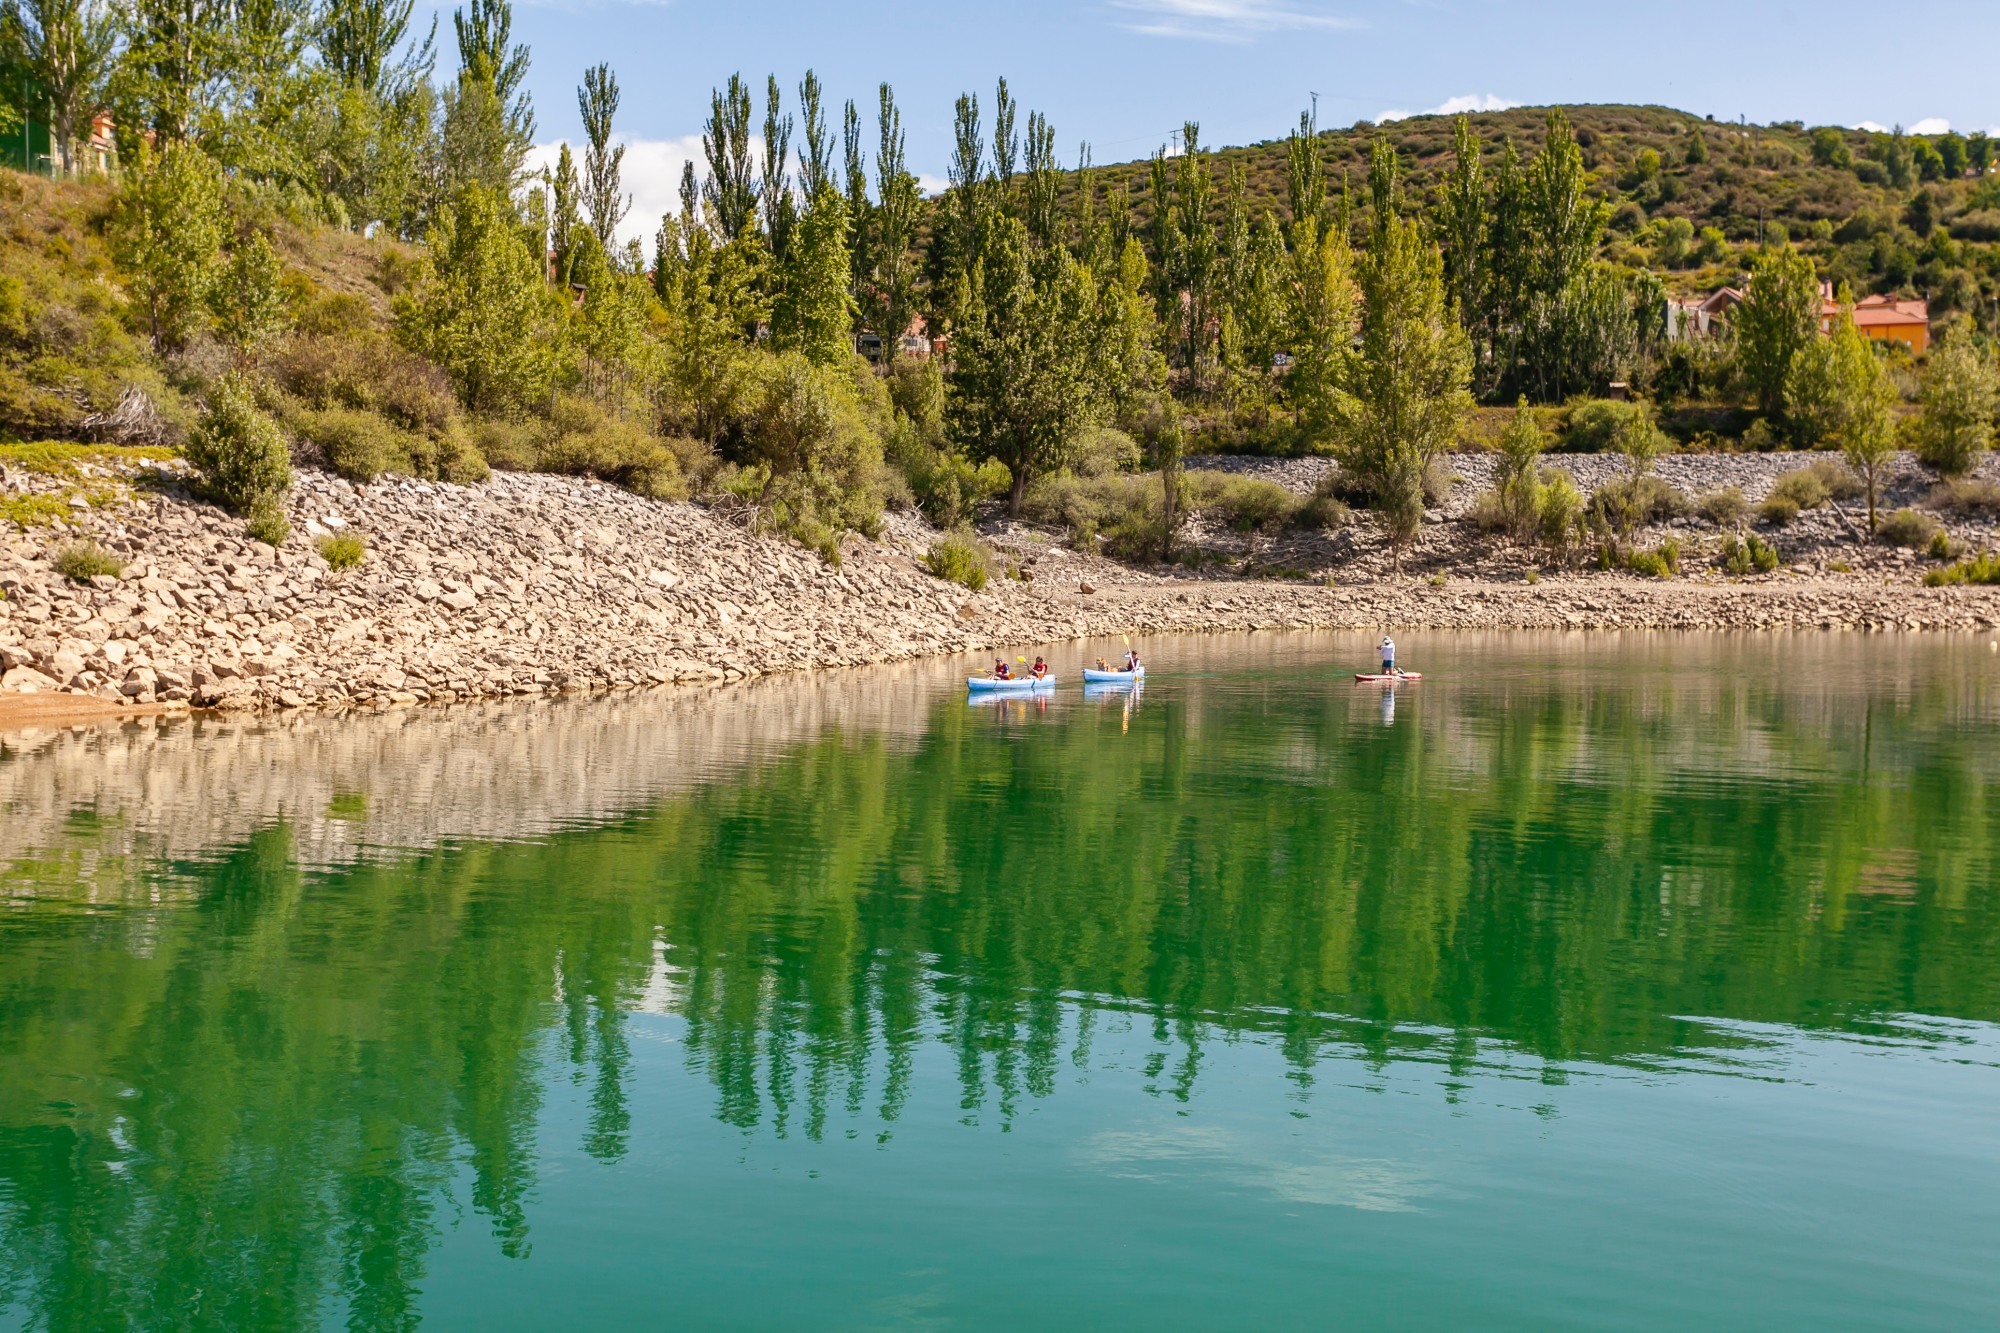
(1983, 569)
(1089, 507)
(1724, 508)
(1778, 511)
(1811, 486)
(1594, 425)
(1103, 450)
(1628, 503)
(266, 521)
(1662, 562)
(1560, 520)
(1941, 547)
(80, 562)
(1325, 508)
(1968, 495)
(342, 550)
(1742, 555)
(1246, 504)
(237, 452)
(1909, 528)
(580, 438)
(960, 557)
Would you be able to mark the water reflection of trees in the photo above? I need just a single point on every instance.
(251, 1111)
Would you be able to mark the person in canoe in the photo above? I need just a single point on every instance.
(1131, 661)
(1039, 669)
(1001, 671)
(1389, 657)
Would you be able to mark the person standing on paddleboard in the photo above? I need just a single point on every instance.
(1388, 656)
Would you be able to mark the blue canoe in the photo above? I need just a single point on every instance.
(1113, 677)
(1023, 684)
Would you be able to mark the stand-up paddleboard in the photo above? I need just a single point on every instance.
(1024, 684)
(1387, 678)
(1091, 677)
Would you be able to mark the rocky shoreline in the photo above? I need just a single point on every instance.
(540, 585)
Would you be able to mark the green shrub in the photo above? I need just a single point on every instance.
(581, 438)
(1941, 547)
(1325, 508)
(961, 558)
(1594, 425)
(1724, 508)
(1087, 507)
(1742, 555)
(1909, 528)
(356, 444)
(1778, 511)
(1983, 569)
(237, 452)
(266, 521)
(1811, 486)
(1629, 503)
(342, 550)
(1246, 504)
(1561, 518)
(1103, 450)
(1662, 562)
(80, 562)
(1968, 495)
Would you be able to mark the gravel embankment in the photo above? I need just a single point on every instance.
(540, 585)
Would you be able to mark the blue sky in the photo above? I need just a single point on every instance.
(1124, 73)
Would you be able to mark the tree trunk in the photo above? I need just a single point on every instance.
(1019, 493)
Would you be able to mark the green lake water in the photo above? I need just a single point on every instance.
(1604, 981)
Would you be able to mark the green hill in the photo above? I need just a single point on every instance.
(1884, 213)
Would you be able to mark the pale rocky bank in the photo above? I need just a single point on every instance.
(529, 584)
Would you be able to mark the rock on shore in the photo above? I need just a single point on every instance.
(532, 584)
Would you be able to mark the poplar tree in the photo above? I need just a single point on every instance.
(1044, 179)
(775, 190)
(1778, 316)
(1462, 221)
(1564, 226)
(597, 104)
(731, 188)
(814, 312)
(895, 220)
(565, 216)
(1405, 396)
(483, 311)
(249, 303)
(816, 157)
(168, 230)
(489, 123)
(1025, 387)
(1006, 145)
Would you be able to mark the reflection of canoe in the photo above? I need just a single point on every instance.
(1113, 677)
(1023, 684)
(1389, 678)
(1126, 690)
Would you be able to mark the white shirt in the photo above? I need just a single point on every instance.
(1388, 647)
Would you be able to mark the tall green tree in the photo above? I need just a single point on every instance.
(489, 123)
(1564, 226)
(1026, 386)
(1187, 257)
(358, 41)
(249, 301)
(1779, 315)
(566, 225)
(66, 49)
(483, 311)
(1840, 394)
(175, 67)
(731, 188)
(775, 187)
(894, 234)
(1462, 220)
(816, 155)
(168, 231)
(603, 162)
(814, 310)
(1957, 398)
(1406, 395)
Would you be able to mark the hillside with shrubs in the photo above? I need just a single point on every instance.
(339, 259)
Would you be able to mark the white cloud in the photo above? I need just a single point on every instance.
(1931, 125)
(932, 185)
(651, 174)
(1869, 126)
(1453, 106)
(1225, 20)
